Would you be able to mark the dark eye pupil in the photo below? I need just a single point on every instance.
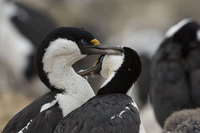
(83, 41)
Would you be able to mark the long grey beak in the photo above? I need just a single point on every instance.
(102, 50)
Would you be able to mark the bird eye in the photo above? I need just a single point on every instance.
(83, 41)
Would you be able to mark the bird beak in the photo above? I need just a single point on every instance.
(101, 50)
(95, 69)
(95, 48)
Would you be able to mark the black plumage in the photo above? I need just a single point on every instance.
(111, 110)
(20, 120)
(32, 116)
(102, 114)
(43, 114)
(175, 72)
(125, 76)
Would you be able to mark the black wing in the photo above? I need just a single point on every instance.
(169, 81)
(21, 119)
(102, 114)
(193, 61)
(46, 121)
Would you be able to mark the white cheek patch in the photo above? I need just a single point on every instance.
(176, 27)
(60, 47)
(111, 63)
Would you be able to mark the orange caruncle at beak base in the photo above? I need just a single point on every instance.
(95, 42)
(95, 63)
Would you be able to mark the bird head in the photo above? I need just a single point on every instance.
(65, 46)
(184, 32)
(120, 71)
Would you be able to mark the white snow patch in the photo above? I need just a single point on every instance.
(148, 119)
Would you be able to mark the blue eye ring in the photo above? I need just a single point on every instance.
(83, 41)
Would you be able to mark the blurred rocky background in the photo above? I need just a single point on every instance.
(140, 24)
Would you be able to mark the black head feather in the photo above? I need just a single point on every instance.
(126, 75)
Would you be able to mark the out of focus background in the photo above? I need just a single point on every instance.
(139, 24)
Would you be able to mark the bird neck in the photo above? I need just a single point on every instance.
(127, 74)
(62, 76)
(75, 89)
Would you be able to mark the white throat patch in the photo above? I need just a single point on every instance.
(57, 61)
(111, 63)
(176, 27)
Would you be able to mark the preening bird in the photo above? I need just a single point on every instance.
(111, 110)
(184, 121)
(175, 71)
(55, 55)
(21, 29)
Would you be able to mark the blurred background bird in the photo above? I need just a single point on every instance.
(183, 121)
(21, 29)
(135, 23)
(175, 71)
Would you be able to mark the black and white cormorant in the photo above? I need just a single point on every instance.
(184, 121)
(111, 111)
(21, 28)
(175, 71)
(55, 55)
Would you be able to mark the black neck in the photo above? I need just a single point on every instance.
(126, 75)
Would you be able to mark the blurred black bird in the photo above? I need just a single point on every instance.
(175, 71)
(55, 55)
(111, 110)
(21, 29)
